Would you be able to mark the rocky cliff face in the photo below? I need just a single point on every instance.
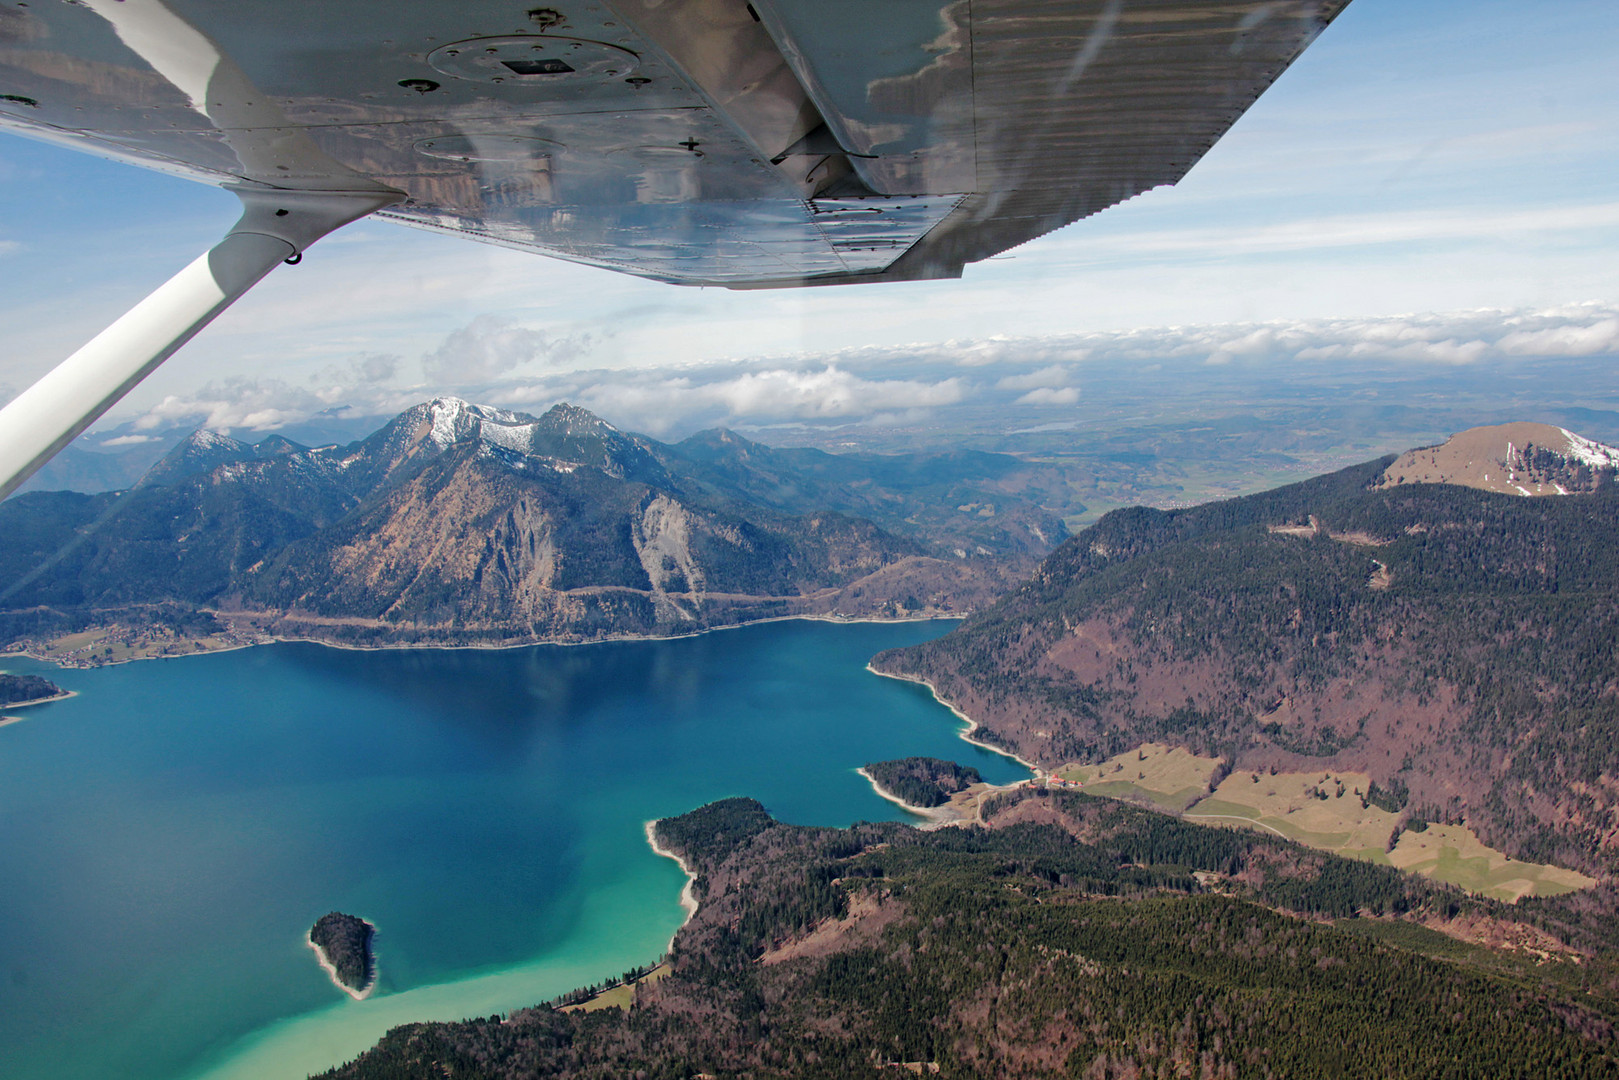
(485, 540)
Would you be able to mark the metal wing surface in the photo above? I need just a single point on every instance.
(710, 142)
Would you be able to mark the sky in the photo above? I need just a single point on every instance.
(1431, 183)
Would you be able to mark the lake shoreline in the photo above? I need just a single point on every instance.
(972, 725)
(436, 770)
(63, 696)
(937, 817)
(7, 720)
(276, 639)
(688, 897)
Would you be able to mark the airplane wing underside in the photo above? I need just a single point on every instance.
(712, 142)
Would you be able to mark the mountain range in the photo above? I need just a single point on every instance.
(460, 523)
(1398, 619)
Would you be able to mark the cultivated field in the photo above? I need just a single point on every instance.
(1154, 774)
(1452, 853)
(621, 996)
(1323, 810)
(1320, 809)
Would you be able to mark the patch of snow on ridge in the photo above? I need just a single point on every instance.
(454, 419)
(203, 439)
(572, 420)
(518, 437)
(1592, 453)
(498, 416)
(445, 413)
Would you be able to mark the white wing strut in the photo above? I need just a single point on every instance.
(276, 225)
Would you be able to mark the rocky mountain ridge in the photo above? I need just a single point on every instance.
(461, 523)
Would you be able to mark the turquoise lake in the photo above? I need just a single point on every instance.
(168, 836)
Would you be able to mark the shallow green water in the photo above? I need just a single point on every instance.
(168, 836)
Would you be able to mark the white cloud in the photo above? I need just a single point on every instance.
(1449, 351)
(998, 349)
(1462, 337)
(129, 440)
(828, 392)
(267, 404)
(770, 394)
(1045, 378)
(1594, 339)
(1067, 395)
(374, 367)
(490, 346)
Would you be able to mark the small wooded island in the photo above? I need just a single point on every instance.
(27, 689)
(343, 943)
(922, 781)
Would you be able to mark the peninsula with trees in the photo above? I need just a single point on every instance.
(27, 690)
(922, 781)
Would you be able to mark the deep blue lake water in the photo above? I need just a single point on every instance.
(168, 836)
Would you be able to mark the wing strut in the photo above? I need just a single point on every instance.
(276, 226)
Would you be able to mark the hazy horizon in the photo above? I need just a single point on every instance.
(1424, 189)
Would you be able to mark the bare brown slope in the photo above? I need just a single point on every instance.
(1515, 459)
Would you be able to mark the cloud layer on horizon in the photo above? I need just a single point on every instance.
(506, 364)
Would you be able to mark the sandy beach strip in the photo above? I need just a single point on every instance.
(272, 639)
(936, 816)
(688, 898)
(63, 696)
(331, 969)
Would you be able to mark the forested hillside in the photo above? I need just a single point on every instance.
(1453, 643)
(1071, 937)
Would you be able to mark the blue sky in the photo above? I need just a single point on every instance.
(1456, 158)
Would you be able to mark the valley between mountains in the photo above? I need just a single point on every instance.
(1421, 646)
(1440, 644)
(1429, 635)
